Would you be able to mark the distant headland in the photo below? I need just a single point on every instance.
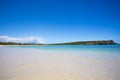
(98, 42)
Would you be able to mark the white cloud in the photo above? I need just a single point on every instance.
(21, 40)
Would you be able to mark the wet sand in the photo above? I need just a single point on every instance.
(35, 64)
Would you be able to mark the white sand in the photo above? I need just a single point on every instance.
(34, 64)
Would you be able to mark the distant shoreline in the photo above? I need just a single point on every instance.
(99, 42)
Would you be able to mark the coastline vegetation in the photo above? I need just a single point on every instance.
(103, 42)
(13, 43)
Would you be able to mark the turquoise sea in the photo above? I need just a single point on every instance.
(60, 62)
(75, 47)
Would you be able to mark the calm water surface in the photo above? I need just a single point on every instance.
(76, 47)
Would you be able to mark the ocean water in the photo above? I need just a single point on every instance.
(75, 47)
(60, 62)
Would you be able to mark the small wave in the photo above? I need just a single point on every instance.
(1, 46)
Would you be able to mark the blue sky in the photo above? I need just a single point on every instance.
(61, 20)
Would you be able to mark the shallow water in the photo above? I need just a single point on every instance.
(93, 62)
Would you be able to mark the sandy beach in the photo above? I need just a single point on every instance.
(35, 64)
